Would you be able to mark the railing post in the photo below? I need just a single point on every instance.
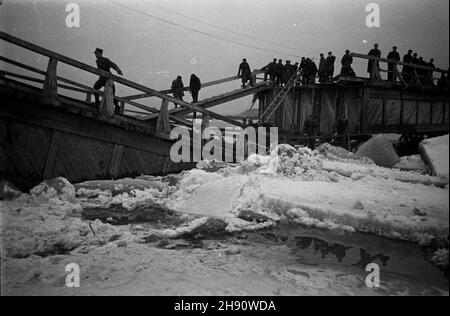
(50, 89)
(122, 107)
(107, 105)
(163, 123)
(205, 122)
(88, 97)
(375, 76)
(205, 125)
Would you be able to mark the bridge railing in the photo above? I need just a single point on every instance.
(51, 82)
(417, 75)
(203, 85)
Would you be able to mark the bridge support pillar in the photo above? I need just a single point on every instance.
(163, 123)
(107, 106)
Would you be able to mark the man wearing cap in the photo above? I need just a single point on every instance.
(178, 89)
(375, 52)
(269, 70)
(394, 55)
(323, 75)
(330, 66)
(347, 59)
(278, 78)
(407, 70)
(105, 64)
(346, 62)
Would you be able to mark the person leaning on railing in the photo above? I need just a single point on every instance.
(346, 62)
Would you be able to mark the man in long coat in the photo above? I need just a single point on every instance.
(375, 52)
(194, 86)
(323, 74)
(279, 73)
(288, 71)
(245, 73)
(330, 66)
(407, 70)
(177, 89)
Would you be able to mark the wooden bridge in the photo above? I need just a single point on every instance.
(372, 105)
(45, 133)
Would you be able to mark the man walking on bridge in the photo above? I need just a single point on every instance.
(279, 73)
(194, 86)
(105, 64)
(407, 70)
(177, 89)
(245, 73)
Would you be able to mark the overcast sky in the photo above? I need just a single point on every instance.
(152, 52)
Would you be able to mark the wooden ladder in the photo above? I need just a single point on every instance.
(273, 107)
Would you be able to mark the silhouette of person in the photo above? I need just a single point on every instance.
(105, 64)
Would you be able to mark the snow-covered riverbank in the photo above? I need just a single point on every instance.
(327, 189)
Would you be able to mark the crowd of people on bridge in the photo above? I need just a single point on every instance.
(308, 72)
(410, 74)
(280, 73)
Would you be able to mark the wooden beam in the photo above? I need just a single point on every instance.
(205, 122)
(76, 84)
(122, 107)
(74, 106)
(107, 106)
(220, 99)
(88, 97)
(204, 85)
(107, 75)
(392, 61)
(375, 75)
(50, 89)
(224, 98)
(163, 124)
(116, 158)
(176, 119)
(28, 78)
(32, 79)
